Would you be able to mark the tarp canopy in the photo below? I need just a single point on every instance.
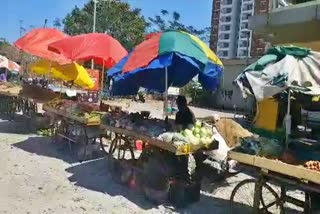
(102, 48)
(68, 72)
(8, 64)
(36, 43)
(279, 69)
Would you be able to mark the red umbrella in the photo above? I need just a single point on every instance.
(102, 48)
(36, 43)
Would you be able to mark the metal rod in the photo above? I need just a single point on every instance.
(166, 92)
(248, 49)
(94, 15)
(94, 25)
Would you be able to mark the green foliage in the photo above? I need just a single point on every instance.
(116, 18)
(197, 94)
(172, 21)
(12, 53)
(57, 23)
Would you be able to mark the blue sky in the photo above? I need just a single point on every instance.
(34, 12)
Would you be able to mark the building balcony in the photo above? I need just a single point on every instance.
(225, 6)
(296, 24)
(247, 11)
(225, 14)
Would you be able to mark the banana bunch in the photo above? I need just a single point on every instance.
(55, 103)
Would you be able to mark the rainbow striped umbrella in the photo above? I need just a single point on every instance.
(165, 59)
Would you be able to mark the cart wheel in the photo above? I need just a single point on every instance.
(120, 160)
(242, 198)
(105, 142)
(119, 147)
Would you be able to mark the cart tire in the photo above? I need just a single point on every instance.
(119, 147)
(105, 146)
(237, 205)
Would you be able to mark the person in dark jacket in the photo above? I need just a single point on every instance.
(184, 117)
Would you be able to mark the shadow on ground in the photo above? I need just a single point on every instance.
(94, 175)
(44, 146)
(20, 125)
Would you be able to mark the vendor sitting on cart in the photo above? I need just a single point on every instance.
(184, 118)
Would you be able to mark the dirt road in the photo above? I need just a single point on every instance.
(38, 176)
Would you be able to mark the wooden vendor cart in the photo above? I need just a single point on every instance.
(271, 174)
(9, 103)
(78, 131)
(160, 170)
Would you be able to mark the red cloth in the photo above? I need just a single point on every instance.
(102, 48)
(144, 53)
(36, 43)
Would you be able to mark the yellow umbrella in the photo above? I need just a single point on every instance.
(69, 72)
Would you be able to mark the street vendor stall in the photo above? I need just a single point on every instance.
(8, 91)
(76, 123)
(283, 75)
(9, 102)
(163, 170)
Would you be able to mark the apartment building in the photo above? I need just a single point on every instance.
(231, 37)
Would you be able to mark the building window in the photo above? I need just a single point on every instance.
(224, 36)
(244, 26)
(225, 27)
(243, 44)
(225, 53)
(243, 53)
(247, 7)
(227, 10)
(223, 45)
(228, 19)
(243, 35)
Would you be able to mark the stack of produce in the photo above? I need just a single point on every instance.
(199, 135)
(83, 112)
(135, 122)
(313, 165)
(9, 88)
(264, 147)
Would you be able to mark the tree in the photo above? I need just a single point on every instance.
(172, 21)
(12, 53)
(116, 18)
(57, 23)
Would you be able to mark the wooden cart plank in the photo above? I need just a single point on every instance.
(150, 140)
(9, 94)
(298, 172)
(70, 116)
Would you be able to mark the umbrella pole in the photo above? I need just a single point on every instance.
(287, 119)
(165, 113)
(102, 82)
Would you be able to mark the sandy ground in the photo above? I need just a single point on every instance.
(40, 176)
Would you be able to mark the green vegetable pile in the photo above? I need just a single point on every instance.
(45, 132)
(198, 134)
